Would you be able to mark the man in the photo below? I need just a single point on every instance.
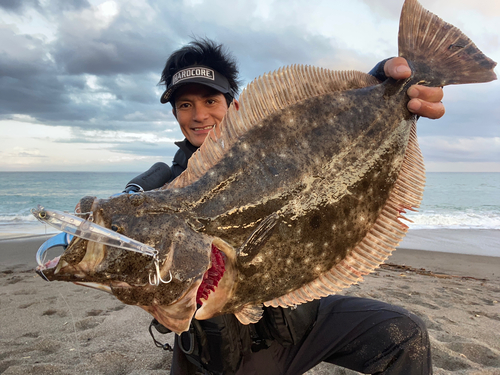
(364, 335)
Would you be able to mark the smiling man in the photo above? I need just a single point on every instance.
(201, 82)
(197, 109)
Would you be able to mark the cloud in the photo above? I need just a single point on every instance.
(20, 152)
(455, 149)
(18, 6)
(99, 43)
(94, 66)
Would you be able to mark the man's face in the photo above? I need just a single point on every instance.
(198, 109)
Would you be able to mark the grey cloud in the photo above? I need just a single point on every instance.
(456, 149)
(163, 150)
(48, 7)
(17, 5)
(126, 59)
(23, 56)
(29, 155)
(49, 79)
(109, 54)
(468, 116)
(56, 6)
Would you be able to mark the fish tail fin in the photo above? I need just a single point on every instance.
(438, 52)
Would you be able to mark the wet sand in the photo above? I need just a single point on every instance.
(61, 328)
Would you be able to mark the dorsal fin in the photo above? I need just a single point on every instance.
(380, 241)
(266, 95)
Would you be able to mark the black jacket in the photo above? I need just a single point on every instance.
(185, 151)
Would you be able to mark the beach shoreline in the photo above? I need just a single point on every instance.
(62, 328)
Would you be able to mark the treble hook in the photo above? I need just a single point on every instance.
(155, 279)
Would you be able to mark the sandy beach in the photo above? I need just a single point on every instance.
(61, 328)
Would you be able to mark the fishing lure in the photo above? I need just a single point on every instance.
(88, 230)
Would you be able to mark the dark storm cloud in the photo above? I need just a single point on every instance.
(17, 5)
(115, 50)
(100, 72)
(49, 79)
(55, 6)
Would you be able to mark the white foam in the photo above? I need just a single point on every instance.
(16, 218)
(468, 219)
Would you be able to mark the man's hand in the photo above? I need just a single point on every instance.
(425, 101)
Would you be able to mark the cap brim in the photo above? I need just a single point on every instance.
(216, 81)
(168, 94)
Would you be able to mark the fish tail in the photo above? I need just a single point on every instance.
(438, 52)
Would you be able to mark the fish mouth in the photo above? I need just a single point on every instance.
(204, 291)
(60, 240)
(51, 264)
(96, 237)
(212, 276)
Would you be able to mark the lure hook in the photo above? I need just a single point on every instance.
(155, 278)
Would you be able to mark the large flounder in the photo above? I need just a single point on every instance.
(302, 189)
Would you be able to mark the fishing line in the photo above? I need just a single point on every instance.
(77, 344)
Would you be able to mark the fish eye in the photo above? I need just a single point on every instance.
(114, 228)
(42, 214)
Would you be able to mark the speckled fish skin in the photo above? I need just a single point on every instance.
(302, 189)
(326, 180)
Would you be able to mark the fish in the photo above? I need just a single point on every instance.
(293, 197)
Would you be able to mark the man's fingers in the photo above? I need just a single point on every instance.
(425, 101)
(426, 109)
(397, 68)
(428, 94)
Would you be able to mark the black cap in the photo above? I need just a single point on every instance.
(196, 74)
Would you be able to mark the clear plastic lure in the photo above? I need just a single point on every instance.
(90, 231)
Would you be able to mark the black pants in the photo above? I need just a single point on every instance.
(361, 334)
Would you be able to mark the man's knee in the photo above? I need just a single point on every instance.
(407, 346)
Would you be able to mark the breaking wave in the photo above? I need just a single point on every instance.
(468, 219)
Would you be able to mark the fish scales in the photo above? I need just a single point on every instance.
(317, 218)
(303, 189)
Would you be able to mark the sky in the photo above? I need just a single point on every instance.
(79, 78)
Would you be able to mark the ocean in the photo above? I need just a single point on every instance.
(22, 191)
(466, 201)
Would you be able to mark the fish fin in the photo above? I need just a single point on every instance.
(380, 241)
(439, 52)
(259, 236)
(263, 97)
(250, 314)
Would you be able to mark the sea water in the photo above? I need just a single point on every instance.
(22, 191)
(459, 201)
(468, 201)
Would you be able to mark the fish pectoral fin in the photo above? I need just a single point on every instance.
(259, 237)
(250, 314)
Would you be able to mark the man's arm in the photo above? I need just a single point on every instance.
(155, 177)
(425, 101)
